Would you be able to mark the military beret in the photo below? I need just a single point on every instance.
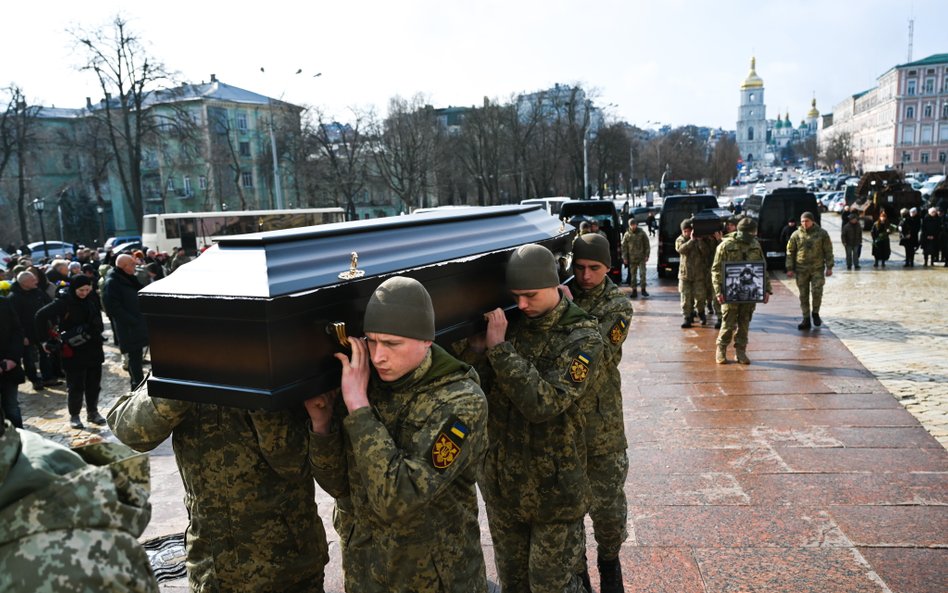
(594, 247)
(400, 306)
(530, 267)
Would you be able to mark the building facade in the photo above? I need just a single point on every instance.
(901, 122)
(752, 117)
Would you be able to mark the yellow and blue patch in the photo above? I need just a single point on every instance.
(617, 333)
(447, 445)
(579, 367)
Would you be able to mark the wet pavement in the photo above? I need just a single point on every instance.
(812, 469)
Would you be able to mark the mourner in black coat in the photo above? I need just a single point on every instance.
(120, 296)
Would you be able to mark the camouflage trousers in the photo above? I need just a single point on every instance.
(608, 508)
(810, 282)
(735, 323)
(535, 557)
(637, 273)
(692, 294)
(712, 298)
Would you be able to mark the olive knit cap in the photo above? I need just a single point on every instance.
(400, 306)
(747, 225)
(531, 267)
(687, 224)
(808, 216)
(594, 247)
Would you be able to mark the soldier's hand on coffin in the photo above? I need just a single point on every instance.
(355, 375)
(766, 297)
(496, 327)
(566, 291)
(320, 409)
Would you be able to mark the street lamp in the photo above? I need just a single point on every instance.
(100, 210)
(39, 205)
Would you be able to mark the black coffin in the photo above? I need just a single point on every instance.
(252, 322)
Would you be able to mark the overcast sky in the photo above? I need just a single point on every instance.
(674, 61)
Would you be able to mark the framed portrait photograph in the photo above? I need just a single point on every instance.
(744, 282)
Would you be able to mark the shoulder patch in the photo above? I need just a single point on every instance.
(618, 331)
(579, 368)
(448, 443)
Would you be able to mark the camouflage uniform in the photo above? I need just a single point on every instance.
(712, 302)
(635, 251)
(250, 495)
(736, 247)
(404, 469)
(608, 464)
(535, 483)
(70, 519)
(691, 272)
(809, 255)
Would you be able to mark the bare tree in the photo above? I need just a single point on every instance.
(16, 141)
(483, 148)
(723, 165)
(404, 148)
(610, 158)
(343, 148)
(128, 77)
(839, 150)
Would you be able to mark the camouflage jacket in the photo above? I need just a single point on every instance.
(248, 488)
(811, 249)
(406, 467)
(635, 246)
(736, 247)
(70, 519)
(602, 404)
(694, 257)
(534, 382)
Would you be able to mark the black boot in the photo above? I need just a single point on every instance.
(703, 317)
(610, 576)
(816, 319)
(686, 322)
(805, 325)
(635, 293)
(644, 292)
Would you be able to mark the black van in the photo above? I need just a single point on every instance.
(674, 210)
(604, 211)
(772, 212)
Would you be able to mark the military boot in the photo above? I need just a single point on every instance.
(644, 292)
(686, 322)
(703, 317)
(635, 293)
(610, 576)
(717, 323)
(816, 319)
(720, 356)
(742, 356)
(805, 325)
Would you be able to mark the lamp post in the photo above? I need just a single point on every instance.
(59, 210)
(100, 210)
(39, 205)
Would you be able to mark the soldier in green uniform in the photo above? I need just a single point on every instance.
(402, 449)
(739, 246)
(810, 260)
(70, 518)
(713, 305)
(692, 270)
(254, 526)
(606, 459)
(535, 376)
(635, 252)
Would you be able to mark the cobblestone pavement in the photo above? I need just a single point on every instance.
(894, 321)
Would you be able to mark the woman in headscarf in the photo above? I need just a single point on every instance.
(881, 248)
(79, 322)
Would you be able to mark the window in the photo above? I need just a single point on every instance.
(750, 97)
(244, 149)
(67, 161)
(929, 86)
(187, 186)
(202, 182)
(242, 121)
(906, 157)
(944, 111)
(911, 88)
(924, 158)
(943, 134)
(925, 135)
(247, 179)
(942, 157)
(928, 110)
(910, 112)
(170, 185)
(908, 135)
(750, 133)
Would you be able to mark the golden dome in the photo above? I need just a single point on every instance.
(753, 81)
(813, 111)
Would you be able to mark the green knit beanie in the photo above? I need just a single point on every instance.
(747, 225)
(531, 267)
(400, 306)
(687, 224)
(594, 247)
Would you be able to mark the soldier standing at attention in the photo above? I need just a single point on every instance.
(810, 259)
(535, 376)
(741, 246)
(606, 459)
(635, 251)
(402, 449)
(692, 270)
(254, 526)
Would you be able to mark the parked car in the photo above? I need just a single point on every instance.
(772, 212)
(674, 210)
(52, 249)
(127, 247)
(640, 213)
(4, 258)
(113, 241)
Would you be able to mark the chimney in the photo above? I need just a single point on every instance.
(213, 78)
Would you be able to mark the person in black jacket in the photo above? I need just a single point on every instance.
(120, 296)
(27, 298)
(75, 313)
(910, 228)
(11, 374)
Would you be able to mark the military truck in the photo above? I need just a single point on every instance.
(883, 190)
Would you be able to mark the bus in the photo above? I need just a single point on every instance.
(196, 231)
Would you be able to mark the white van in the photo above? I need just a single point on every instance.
(552, 205)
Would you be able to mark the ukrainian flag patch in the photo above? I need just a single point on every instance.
(579, 368)
(618, 331)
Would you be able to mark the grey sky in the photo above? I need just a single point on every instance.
(675, 61)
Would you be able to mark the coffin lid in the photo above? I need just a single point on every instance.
(277, 263)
